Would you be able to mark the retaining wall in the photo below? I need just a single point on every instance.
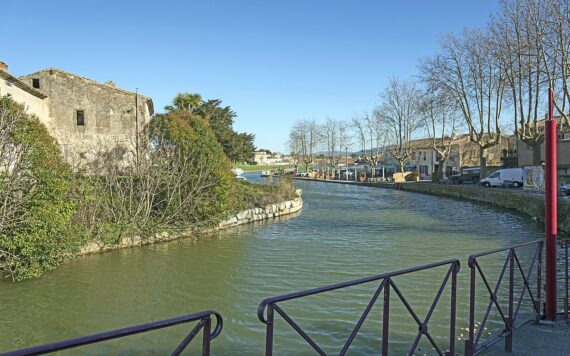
(242, 217)
(514, 199)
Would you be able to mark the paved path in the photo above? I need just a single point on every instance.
(531, 340)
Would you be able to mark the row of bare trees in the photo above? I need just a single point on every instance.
(481, 83)
(388, 131)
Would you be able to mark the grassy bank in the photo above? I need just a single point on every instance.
(253, 195)
(259, 168)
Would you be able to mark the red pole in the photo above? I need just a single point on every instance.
(551, 213)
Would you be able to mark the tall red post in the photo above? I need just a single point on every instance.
(551, 211)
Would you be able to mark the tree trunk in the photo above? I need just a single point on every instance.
(402, 166)
(483, 162)
(536, 154)
(440, 169)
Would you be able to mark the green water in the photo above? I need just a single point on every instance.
(343, 232)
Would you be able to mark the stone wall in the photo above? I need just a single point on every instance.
(243, 217)
(269, 212)
(513, 199)
(109, 116)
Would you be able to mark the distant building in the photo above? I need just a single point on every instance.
(263, 157)
(464, 153)
(525, 153)
(260, 157)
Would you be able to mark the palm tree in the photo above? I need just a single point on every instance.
(185, 101)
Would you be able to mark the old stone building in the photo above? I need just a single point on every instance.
(93, 122)
(89, 119)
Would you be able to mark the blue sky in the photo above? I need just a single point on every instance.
(273, 62)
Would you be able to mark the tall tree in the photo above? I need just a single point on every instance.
(517, 44)
(439, 118)
(372, 133)
(305, 136)
(468, 72)
(399, 109)
(238, 147)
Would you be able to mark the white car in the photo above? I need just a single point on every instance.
(514, 176)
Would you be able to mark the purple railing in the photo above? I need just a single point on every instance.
(204, 322)
(508, 315)
(270, 306)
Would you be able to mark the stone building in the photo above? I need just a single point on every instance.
(91, 120)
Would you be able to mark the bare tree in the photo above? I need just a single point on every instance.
(306, 135)
(551, 19)
(517, 43)
(399, 110)
(334, 135)
(469, 73)
(439, 118)
(372, 134)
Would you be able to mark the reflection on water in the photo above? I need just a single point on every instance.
(343, 232)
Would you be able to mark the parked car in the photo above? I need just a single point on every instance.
(507, 177)
(565, 189)
(467, 175)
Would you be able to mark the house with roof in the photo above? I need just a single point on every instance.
(94, 123)
(525, 151)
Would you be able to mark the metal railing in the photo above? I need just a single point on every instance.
(564, 245)
(205, 323)
(508, 318)
(268, 307)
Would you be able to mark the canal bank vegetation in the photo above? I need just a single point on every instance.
(177, 178)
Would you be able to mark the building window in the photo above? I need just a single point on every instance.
(36, 83)
(80, 116)
(564, 137)
(424, 155)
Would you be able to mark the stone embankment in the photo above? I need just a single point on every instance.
(242, 217)
(514, 199)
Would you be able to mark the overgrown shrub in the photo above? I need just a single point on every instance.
(35, 201)
(180, 179)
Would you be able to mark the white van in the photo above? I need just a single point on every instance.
(514, 176)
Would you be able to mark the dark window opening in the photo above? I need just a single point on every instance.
(36, 83)
(80, 115)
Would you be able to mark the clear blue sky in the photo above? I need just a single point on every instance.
(273, 62)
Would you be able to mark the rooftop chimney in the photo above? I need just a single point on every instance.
(3, 67)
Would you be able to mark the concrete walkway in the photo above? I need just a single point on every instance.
(532, 340)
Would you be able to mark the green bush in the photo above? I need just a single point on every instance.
(35, 184)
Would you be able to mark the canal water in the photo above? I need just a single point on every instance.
(343, 232)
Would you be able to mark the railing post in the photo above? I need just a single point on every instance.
(386, 317)
(509, 337)
(538, 284)
(206, 336)
(469, 344)
(269, 332)
(453, 309)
